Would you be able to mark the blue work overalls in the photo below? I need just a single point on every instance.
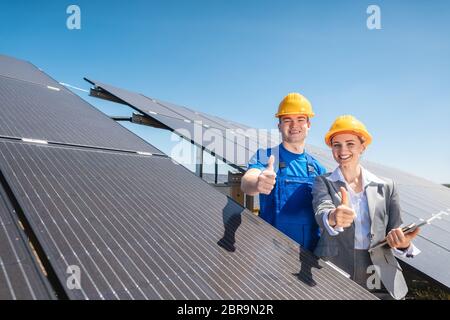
(289, 206)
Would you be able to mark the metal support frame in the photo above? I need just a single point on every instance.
(216, 171)
(99, 93)
(199, 162)
(141, 119)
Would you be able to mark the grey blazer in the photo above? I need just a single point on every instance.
(384, 211)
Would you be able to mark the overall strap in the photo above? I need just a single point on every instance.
(276, 152)
(310, 164)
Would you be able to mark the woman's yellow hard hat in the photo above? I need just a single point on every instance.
(348, 124)
(295, 103)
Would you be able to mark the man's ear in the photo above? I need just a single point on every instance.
(309, 124)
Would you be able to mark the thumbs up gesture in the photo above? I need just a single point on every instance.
(343, 215)
(267, 178)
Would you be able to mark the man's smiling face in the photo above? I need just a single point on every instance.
(294, 128)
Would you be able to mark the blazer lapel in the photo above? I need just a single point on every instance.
(336, 186)
(371, 193)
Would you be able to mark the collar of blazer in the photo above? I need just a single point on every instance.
(367, 177)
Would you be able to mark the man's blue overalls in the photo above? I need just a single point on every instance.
(289, 206)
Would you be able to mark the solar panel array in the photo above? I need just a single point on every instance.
(32, 110)
(419, 198)
(96, 211)
(229, 141)
(115, 224)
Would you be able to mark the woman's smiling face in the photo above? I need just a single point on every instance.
(347, 148)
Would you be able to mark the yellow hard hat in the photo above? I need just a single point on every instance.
(348, 124)
(295, 103)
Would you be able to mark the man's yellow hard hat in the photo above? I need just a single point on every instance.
(295, 103)
(348, 124)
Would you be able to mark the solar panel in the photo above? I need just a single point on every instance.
(36, 112)
(235, 145)
(20, 275)
(214, 140)
(142, 227)
(25, 71)
(419, 198)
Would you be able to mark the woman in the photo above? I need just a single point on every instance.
(356, 210)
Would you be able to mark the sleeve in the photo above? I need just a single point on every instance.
(393, 207)
(331, 231)
(411, 252)
(322, 202)
(395, 221)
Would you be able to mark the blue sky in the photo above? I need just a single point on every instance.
(238, 59)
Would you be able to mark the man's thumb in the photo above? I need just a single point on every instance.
(270, 163)
(344, 197)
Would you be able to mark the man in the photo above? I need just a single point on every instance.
(283, 176)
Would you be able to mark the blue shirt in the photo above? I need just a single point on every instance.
(289, 206)
(296, 164)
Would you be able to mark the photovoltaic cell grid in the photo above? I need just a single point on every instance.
(141, 227)
(419, 198)
(33, 111)
(79, 220)
(20, 277)
(25, 71)
(229, 141)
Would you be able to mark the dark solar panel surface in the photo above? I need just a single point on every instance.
(33, 111)
(25, 71)
(142, 227)
(20, 277)
(419, 198)
(232, 143)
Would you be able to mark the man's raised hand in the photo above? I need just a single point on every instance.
(267, 178)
